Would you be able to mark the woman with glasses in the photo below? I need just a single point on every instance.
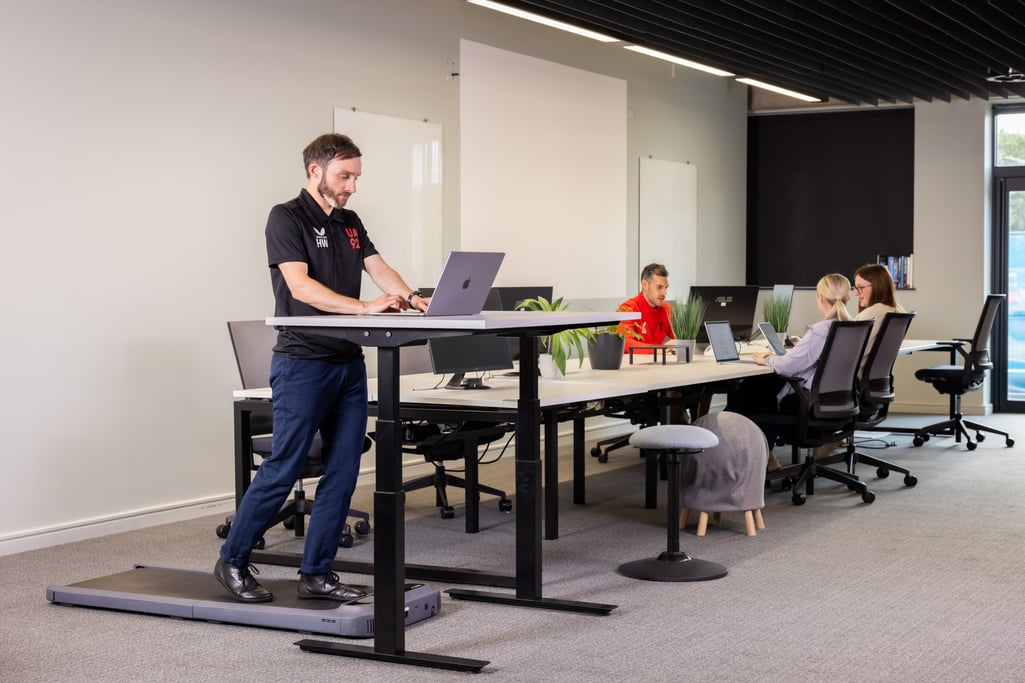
(877, 296)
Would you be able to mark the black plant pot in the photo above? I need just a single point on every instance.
(605, 352)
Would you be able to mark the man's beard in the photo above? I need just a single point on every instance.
(334, 199)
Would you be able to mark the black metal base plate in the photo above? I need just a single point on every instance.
(673, 567)
(411, 658)
(537, 603)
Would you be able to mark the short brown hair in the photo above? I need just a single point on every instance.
(327, 147)
(653, 270)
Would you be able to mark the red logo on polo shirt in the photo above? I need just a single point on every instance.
(353, 237)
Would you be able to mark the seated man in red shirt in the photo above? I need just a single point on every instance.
(650, 302)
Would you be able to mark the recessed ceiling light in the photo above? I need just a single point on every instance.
(530, 16)
(1011, 76)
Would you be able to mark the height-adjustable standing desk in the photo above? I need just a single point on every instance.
(388, 333)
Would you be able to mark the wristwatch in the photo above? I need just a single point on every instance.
(409, 299)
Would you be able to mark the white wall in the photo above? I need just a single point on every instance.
(143, 144)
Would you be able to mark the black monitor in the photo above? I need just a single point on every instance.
(735, 303)
(510, 296)
(471, 353)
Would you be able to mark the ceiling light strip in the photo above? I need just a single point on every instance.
(530, 16)
(678, 60)
(777, 89)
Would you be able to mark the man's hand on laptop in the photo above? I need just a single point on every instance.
(386, 302)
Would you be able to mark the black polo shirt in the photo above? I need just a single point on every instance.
(333, 249)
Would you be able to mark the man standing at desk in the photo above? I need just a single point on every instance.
(653, 328)
(317, 251)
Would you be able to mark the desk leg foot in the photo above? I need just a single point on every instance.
(410, 658)
(537, 603)
(676, 566)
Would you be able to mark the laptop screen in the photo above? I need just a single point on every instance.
(720, 336)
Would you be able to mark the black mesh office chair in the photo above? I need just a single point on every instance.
(253, 342)
(956, 380)
(447, 441)
(826, 413)
(876, 393)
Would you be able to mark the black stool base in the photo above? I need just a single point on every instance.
(677, 566)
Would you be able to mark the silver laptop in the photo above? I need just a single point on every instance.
(724, 347)
(775, 343)
(464, 284)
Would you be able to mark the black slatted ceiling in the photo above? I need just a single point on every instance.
(855, 51)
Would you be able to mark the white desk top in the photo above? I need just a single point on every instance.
(579, 385)
(488, 320)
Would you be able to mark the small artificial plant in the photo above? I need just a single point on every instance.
(560, 344)
(777, 313)
(686, 317)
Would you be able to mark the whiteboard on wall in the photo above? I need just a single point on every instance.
(399, 195)
(543, 170)
(668, 221)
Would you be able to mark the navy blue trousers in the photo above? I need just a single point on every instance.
(309, 395)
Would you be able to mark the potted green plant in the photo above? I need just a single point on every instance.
(777, 314)
(685, 320)
(605, 348)
(561, 344)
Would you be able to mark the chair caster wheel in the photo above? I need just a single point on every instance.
(979, 436)
(362, 527)
(595, 452)
(288, 522)
(505, 505)
(346, 541)
(797, 499)
(260, 544)
(918, 441)
(447, 513)
(1009, 442)
(222, 530)
(882, 473)
(971, 445)
(868, 497)
(910, 480)
(603, 458)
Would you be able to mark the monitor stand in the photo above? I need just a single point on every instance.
(460, 381)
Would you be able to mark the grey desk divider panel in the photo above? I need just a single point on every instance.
(188, 594)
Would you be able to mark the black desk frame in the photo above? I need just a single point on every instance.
(389, 498)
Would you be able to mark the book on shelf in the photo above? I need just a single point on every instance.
(901, 269)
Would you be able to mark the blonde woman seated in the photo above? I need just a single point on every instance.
(770, 393)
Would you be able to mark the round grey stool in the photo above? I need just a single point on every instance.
(673, 564)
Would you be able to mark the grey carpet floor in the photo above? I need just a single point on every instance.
(926, 584)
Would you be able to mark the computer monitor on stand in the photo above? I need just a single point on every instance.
(735, 303)
(468, 354)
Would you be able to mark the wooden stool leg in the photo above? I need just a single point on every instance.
(749, 523)
(759, 522)
(717, 518)
(702, 523)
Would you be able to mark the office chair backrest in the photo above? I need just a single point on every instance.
(877, 374)
(978, 360)
(833, 392)
(253, 342)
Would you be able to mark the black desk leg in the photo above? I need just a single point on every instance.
(551, 483)
(528, 504)
(243, 451)
(389, 542)
(579, 458)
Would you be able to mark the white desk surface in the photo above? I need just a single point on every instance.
(579, 385)
(488, 320)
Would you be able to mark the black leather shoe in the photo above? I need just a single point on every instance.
(326, 587)
(240, 583)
